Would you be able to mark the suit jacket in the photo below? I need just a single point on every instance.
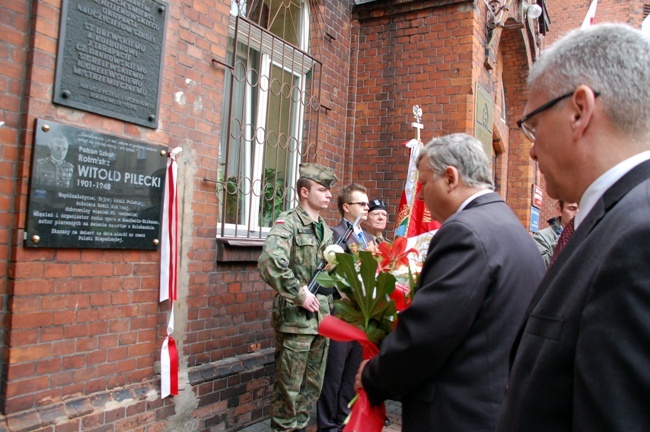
(339, 231)
(546, 239)
(581, 361)
(448, 355)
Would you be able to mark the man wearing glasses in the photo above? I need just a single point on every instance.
(581, 357)
(343, 358)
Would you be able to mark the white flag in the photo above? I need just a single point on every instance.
(591, 15)
(645, 26)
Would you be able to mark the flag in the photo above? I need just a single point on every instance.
(590, 19)
(413, 218)
(169, 276)
(645, 26)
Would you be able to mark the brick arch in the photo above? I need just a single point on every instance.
(515, 55)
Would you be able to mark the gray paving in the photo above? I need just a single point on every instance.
(393, 412)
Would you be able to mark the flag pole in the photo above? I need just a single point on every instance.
(410, 189)
(414, 219)
(418, 126)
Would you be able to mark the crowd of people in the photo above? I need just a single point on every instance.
(500, 335)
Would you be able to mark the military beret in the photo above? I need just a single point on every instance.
(318, 173)
(377, 205)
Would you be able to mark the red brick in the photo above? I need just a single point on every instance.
(31, 320)
(56, 270)
(26, 386)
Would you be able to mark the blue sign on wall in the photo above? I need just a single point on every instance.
(534, 219)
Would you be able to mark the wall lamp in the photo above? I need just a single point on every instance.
(533, 11)
(497, 8)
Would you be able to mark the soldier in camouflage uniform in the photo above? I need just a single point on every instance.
(54, 170)
(292, 252)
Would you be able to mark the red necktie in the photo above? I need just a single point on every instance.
(562, 241)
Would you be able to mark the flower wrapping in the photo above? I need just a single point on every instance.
(375, 285)
(364, 417)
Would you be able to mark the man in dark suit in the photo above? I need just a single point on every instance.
(581, 360)
(448, 355)
(343, 358)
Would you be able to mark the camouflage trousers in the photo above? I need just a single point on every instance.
(299, 369)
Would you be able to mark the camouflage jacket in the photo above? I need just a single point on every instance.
(291, 254)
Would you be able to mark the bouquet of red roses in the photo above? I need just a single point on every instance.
(375, 285)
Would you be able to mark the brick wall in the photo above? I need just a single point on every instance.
(85, 325)
(15, 27)
(405, 55)
(432, 54)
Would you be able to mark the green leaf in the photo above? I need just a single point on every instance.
(327, 280)
(386, 284)
(347, 309)
(375, 334)
(367, 305)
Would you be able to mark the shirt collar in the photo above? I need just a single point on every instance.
(472, 198)
(604, 182)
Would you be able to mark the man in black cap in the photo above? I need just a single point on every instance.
(377, 220)
(292, 252)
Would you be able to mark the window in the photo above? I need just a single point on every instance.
(270, 115)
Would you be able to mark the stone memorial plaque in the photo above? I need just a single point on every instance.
(92, 190)
(109, 58)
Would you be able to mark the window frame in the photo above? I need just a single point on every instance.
(275, 55)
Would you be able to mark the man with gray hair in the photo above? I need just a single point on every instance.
(581, 357)
(448, 356)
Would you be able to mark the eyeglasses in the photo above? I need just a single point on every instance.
(362, 204)
(530, 131)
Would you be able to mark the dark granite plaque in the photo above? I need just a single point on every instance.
(91, 190)
(109, 60)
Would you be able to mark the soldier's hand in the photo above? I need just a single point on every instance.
(311, 302)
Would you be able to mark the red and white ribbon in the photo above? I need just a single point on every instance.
(169, 276)
(169, 232)
(169, 362)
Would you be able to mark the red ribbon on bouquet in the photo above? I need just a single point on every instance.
(364, 417)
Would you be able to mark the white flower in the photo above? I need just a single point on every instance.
(330, 254)
(402, 273)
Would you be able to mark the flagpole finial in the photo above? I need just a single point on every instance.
(417, 113)
(417, 124)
